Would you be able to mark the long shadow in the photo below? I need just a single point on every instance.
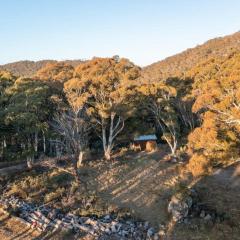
(22, 234)
(220, 193)
(145, 188)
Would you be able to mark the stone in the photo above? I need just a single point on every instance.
(108, 231)
(102, 228)
(202, 214)
(124, 233)
(146, 225)
(43, 218)
(113, 229)
(52, 214)
(150, 232)
(208, 217)
(82, 219)
(180, 205)
(107, 218)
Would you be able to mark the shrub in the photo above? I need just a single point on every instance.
(60, 179)
(199, 165)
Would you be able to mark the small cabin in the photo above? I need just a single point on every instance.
(146, 143)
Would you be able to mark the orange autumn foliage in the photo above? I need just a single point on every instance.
(199, 165)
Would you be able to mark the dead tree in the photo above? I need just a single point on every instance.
(73, 127)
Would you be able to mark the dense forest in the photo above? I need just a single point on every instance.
(191, 101)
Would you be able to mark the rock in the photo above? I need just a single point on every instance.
(123, 233)
(52, 214)
(108, 231)
(178, 208)
(150, 232)
(180, 204)
(146, 225)
(102, 228)
(202, 214)
(107, 218)
(82, 219)
(43, 218)
(113, 229)
(208, 217)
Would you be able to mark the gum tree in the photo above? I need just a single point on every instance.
(105, 86)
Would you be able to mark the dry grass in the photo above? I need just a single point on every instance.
(11, 228)
(140, 183)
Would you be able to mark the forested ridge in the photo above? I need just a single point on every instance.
(177, 65)
(190, 100)
(29, 68)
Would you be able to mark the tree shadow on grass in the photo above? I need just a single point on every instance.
(145, 184)
(220, 193)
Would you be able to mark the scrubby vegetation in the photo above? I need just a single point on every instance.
(195, 105)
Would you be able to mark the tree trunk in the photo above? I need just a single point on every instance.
(36, 142)
(29, 162)
(107, 144)
(173, 151)
(76, 173)
(80, 159)
(107, 153)
(4, 143)
(104, 139)
(106, 148)
(44, 143)
(58, 150)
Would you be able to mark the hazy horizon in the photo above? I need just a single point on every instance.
(144, 32)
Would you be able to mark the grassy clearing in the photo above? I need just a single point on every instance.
(136, 184)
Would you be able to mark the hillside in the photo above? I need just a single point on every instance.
(73, 139)
(29, 68)
(177, 65)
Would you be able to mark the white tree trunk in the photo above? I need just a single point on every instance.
(114, 130)
(44, 143)
(104, 139)
(4, 143)
(58, 150)
(36, 142)
(29, 162)
(107, 153)
(80, 159)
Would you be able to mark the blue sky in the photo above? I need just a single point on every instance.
(144, 31)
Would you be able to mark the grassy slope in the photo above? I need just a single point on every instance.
(144, 183)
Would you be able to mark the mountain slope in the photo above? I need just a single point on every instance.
(28, 68)
(177, 65)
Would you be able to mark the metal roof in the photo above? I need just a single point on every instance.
(145, 137)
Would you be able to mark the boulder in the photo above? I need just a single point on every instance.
(180, 204)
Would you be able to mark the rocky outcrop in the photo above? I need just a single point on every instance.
(181, 203)
(186, 205)
(45, 219)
